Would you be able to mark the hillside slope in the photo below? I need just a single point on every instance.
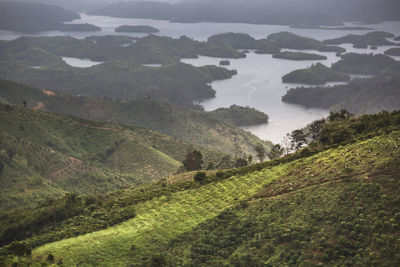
(46, 155)
(337, 206)
(194, 127)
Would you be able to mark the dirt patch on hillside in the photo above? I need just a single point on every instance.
(49, 93)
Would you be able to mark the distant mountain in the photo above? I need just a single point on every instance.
(290, 12)
(31, 17)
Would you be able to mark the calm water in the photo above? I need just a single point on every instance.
(80, 62)
(258, 83)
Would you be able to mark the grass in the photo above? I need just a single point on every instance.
(166, 218)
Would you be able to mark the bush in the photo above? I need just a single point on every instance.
(200, 177)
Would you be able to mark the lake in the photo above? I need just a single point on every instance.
(258, 83)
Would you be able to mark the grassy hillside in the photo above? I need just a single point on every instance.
(46, 155)
(336, 206)
(191, 126)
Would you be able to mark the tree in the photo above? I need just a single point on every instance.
(1, 167)
(316, 128)
(286, 143)
(200, 177)
(19, 249)
(260, 151)
(193, 161)
(298, 139)
(250, 159)
(24, 103)
(241, 162)
(341, 115)
(276, 151)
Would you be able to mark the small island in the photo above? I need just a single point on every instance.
(338, 28)
(86, 27)
(224, 63)
(137, 29)
(397, 38)
(316, 74)
(393, 52)
(299, 56)
(240, 116)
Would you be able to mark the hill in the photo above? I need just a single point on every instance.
(337, 205)
(194, 127)
(360, 96)
(46, 155)
(33, 17)
(308, 12)
(316, 74)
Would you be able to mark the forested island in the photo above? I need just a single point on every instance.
(376, 38)
(393, 52)
(316, 74)
(289, 55)
(137, 29)
(240, 116)
(360, 96)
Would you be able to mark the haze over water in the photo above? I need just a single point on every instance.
(258, 83)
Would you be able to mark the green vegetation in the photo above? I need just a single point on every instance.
(240, 116)
(195, 127)
(367, 64)
(224, 63)
(33, 17)
(46, 155)
(292, 41)
(79, 28)
(376, 38)
(335, 202)
(340, 28)
(112, 40)
(393, 52)
(316, 74)
(360, 96)
(299, 56)
(137, 28)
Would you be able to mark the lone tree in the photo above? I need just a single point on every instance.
(340, 115)
(193, 161)
(24, 103)
(316, 128)
(260, 150)
(200, 177)
(276, 151)
(298, 139)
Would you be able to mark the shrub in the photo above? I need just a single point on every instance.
(200, 177)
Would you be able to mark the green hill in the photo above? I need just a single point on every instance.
(334, 203)
(46, 155)
(194, 127)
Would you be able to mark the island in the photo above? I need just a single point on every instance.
(316, 74)
(137, 29)
(340, 28)
(289, 55)
(359, 96)
(240, 116)
(224, 63)
(393, 51)
(368, 64)
(86, 27)
(376, 38)
(292, 41)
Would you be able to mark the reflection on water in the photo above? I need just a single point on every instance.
(80, 62)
